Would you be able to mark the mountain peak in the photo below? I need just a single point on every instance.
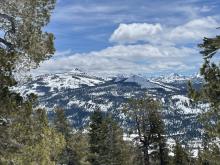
(77, 71)
(174, 75)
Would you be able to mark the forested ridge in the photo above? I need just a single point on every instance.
(28, 137)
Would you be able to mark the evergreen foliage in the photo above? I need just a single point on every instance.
(209, 93)
(79, 142)
(96, 137)
(26, 137)
(22, 22)
(181, 156)
(107, 146)
(30, 139)
(62, 125)
(148, 125)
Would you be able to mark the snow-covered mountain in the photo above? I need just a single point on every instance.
(80, 93)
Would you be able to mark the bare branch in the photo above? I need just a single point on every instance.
(210, 55)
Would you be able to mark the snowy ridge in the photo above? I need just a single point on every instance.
(143, 82)
(71, 80)
(80, 93)
(174, 77)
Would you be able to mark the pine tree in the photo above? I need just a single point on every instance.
(131, 153)
(180, 155)
(79, 141)
(209, 93)
(26, 137)
(22, 21)
(147, 123)
(211, 89)
(42, 144)
(114, 153)
(107, 146)
(96, 137)
(62, 125)
(209, 154)
(35, 140)
(158, 136)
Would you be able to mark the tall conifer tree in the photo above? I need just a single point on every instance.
(26, 137)
(107, 146)
(147, 123)
(62, 125)
(210, 93)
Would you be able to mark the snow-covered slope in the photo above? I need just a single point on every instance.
(71, 80)
(143, 82)
(79, 94)
(177, 78)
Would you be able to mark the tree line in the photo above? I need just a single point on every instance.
(27, 137)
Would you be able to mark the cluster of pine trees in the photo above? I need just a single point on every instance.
(27, 137)
(103, 142)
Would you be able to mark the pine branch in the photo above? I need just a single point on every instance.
(10, 31)
(210, 55)
(11, 20)
(8, 44)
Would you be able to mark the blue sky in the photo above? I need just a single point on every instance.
(130, 36)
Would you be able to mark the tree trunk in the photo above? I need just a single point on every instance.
(146, 156)
(161, 150)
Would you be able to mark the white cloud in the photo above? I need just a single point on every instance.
(131, 33)
(194, 30)
(59, 54)
(206, 8)
(163, 49)
(86, 13)
(123, 59)
(190, 32)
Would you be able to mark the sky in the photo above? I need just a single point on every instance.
(130, 36)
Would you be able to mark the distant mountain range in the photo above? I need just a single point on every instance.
(79, 93)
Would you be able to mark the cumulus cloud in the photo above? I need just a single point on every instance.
(192, 31)
(131, 33)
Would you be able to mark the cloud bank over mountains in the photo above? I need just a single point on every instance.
(140, 47)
